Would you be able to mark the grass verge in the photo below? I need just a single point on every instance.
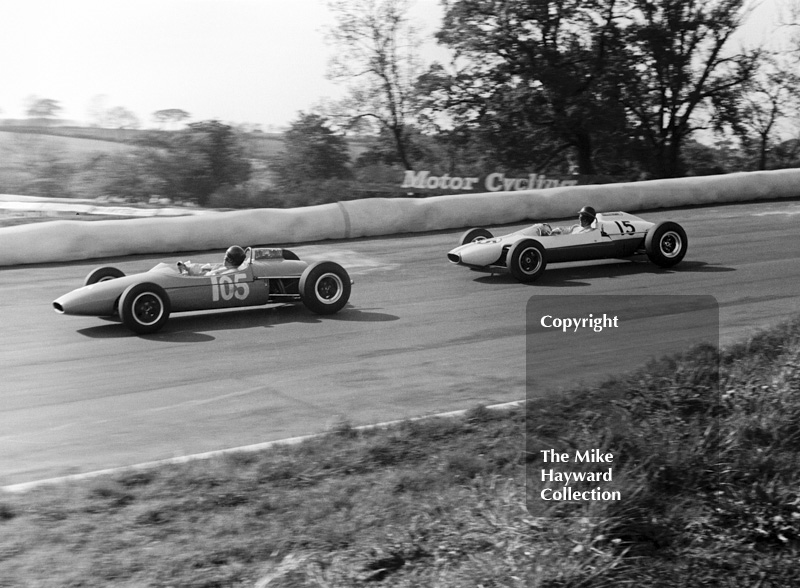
(709, 478)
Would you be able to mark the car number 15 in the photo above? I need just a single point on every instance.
(229, 286)
(625, 227)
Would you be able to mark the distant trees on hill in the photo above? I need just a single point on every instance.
(44, 109)
(170, 116)
(190, 165)
(187, 165)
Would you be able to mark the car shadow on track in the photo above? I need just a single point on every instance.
(194, 327)
(572, 276)
(350, 314)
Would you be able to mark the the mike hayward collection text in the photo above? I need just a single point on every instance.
(570, 478)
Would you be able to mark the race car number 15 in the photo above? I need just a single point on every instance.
(625, 227)
(226, 287)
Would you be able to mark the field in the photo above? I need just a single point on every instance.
(442, 502)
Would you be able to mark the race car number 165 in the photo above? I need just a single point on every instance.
(226, 287)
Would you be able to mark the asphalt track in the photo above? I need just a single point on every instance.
(420, 336)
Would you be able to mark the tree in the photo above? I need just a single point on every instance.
(377, 55)
(594, 81)
(223, 155)
(792, 22)
(529, 79)
(121, 118)
(44, 165)
(170, 116)
(117, 117)
(313, 152)
(44, 108)
(767, 102)
(98, 110)
(128, 175)
(196, 162)
(676, 73)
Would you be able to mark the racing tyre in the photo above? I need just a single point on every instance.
(666, 244)
(102, 274)
(526, 260)
(474, 235)
(144, 308)
(325, 287)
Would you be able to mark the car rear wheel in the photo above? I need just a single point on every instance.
(103, 274)
(325, 287)
(144, 308)
(473, 235)
(526, 260)
(666, 244)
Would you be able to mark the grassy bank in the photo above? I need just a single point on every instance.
(708, 470)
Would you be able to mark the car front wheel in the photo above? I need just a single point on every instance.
(666, 244)
(103, 274)
(526, 260)
(325, 287)
(474, 235)
(144, 308)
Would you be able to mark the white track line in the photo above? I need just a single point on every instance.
(25, 486)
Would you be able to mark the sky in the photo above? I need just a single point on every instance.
(255, 62)
(242, 61)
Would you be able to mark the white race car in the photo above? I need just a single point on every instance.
(525, 253)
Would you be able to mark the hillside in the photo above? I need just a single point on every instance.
(81, 140)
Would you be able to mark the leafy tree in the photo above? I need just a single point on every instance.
(44, 108)
(121, 118)
(792, 22)
(704, 160)
(529, 80)
(170, 116)
(117, 117)
(97, 110)
(771, 97)
(383, 150)
(676, 73)
(589, 82)
(787, 153)
(196, 162)
(223, 154)
(312, 152)
(43, 166)
(127, 175)
(377, 53)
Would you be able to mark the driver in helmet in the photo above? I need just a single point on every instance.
(586, 218)
(234, 257)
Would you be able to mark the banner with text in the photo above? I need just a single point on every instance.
(425, 181)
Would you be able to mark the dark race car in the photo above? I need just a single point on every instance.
(144, 301)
